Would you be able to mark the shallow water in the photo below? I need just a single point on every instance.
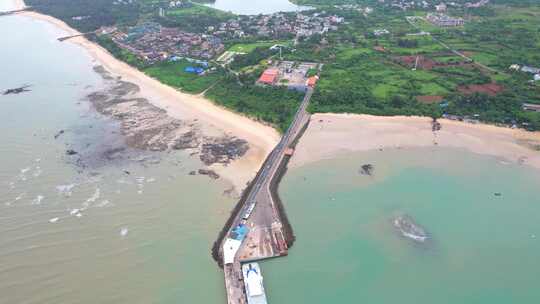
(126, 231)
(255, 7)
(483, 248)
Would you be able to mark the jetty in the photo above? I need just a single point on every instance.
(7, 13)
(258, 228)
(73, 36)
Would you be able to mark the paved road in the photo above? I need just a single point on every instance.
(264, 216)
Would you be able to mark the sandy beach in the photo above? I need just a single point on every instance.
(330, 135)
(213, 119)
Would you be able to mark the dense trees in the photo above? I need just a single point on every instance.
(407, 43)
(252, 57)
(274, 105)
(87, 15)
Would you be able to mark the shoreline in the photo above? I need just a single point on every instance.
(332, 135)
(213, 118)
(337, 131)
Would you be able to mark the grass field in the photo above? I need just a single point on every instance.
(172, 73)
(249, 47)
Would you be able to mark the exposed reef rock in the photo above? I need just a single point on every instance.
(210, 173)
(408, 228)
(367, 169)
(148, 127)
(18, 90)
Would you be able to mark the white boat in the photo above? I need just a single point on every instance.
(253, 281)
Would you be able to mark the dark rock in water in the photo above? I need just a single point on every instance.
(71, 152)
(210, 173)
(17, 90)
(366, 169)
(408, 228)
(222, 150)
(58, 134)
(113, 153)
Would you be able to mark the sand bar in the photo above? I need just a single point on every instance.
(331, 135)
(212, 118)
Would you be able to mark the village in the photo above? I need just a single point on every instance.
(153, 43)
(278, 25)
(411, 5)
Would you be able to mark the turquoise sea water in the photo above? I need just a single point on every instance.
(484, 248)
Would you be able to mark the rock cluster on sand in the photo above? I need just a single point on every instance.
(148, 127)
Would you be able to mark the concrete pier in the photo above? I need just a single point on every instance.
(7, 13)
(266, 236)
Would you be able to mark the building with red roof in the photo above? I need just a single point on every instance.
(312, 81)
(269, 77)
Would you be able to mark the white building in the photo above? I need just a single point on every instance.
(441, 7)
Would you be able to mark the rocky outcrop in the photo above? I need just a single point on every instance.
(408, 228)
(148, 127)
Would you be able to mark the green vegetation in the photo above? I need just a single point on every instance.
(173, 74)
(363, 72)
(195, 18)
(94, 14)
(274, 105)
(119, 53)
(252, 58)
(250, 47)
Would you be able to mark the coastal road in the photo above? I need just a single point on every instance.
(264, 223)
(264, 214)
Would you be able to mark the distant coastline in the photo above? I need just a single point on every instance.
(330, 135)
(212, 118)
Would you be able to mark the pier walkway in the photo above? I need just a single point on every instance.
(73, 36)
(265, 237)
(7, 13)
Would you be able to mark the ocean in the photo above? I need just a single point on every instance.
(109, 224)
(482, 216)
(134, 227)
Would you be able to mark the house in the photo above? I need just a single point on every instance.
(269, 77)
(380, 32)
(532, 70)
(442, 20)
(312, 81)
(531, 107)
(194, 70)
(440, 8)
(537, 77)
